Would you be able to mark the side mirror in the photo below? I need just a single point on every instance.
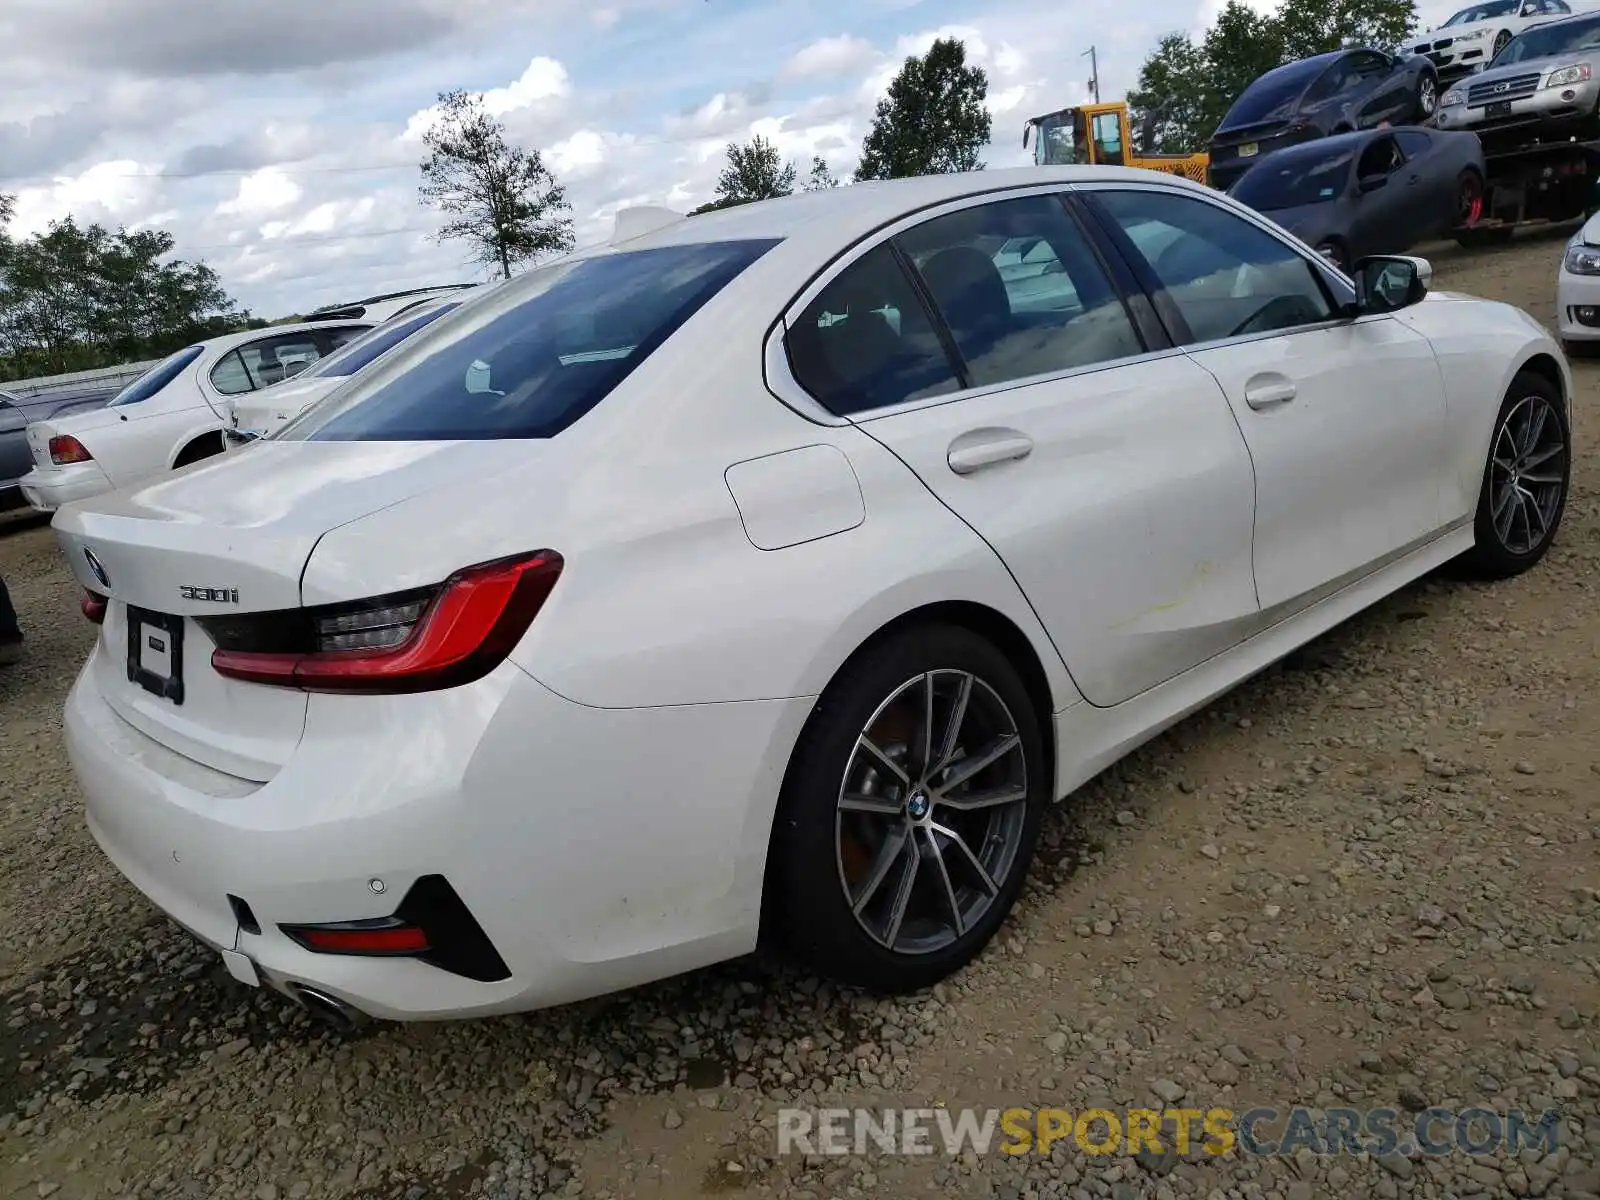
(1371, 183)
(1387, 284)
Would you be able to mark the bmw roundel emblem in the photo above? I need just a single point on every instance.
(94, 565)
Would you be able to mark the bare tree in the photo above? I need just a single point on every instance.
(498, 197)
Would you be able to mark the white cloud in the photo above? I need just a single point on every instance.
(543, 80)
(261, 192)
(831, 56)
(113, 191)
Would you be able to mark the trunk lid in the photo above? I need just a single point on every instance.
(227, 537)
(269, 410)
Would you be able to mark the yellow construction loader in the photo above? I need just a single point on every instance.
(1099, 133)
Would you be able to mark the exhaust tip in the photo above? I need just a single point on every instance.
(327, 1009)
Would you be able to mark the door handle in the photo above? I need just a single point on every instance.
(985, 447)
(1269, 395)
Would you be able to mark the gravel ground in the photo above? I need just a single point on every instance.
(1368, 878)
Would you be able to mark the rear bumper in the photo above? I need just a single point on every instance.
(1574, 292)
(49, 490)
(596, 848)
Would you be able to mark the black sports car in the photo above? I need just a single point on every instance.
(1316, 97)
(1380, 191)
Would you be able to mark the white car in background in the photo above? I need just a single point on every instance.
(1471, 37)
(260, 414)
(1578, 288)
(172, 415)
(675, 595)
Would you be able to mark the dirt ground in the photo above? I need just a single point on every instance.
(1367, 879)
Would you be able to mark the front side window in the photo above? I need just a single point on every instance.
(275, 359)
(156, 378)
(1482, 12)
(1381, 157)
(866, 341)
(546, 349)
(1051, 310)
(1225, 276)
(1366, 65)
(1413, 143)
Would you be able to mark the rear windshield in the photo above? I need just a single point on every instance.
(1482, 12)
(552, 346)
(1305, 179)
(1547, 41)
(352, 357)
(157, 377)
(1272, 96)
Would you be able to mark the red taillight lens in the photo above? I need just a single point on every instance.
(94, 606)
(353, 939)
(409, 643)
(66, 449)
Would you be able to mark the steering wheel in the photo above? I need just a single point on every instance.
(1289, 309)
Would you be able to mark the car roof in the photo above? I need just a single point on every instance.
(1335, 143)
(229, 340)
(841, 216)
(1307, 67)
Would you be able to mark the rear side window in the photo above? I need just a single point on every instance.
(555, 343)
(157, 377)
(866, 342)
(357, 354)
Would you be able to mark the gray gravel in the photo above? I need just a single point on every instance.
(1367, 879)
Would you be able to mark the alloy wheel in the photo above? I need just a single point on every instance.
(1527, 475)
(932, 812)
(1470, 203)
(1427, 95)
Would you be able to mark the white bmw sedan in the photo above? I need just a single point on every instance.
(767, 575)
(172, 415)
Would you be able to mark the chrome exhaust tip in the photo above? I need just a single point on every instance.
(325, 1008)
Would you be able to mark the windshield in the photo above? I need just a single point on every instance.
(1305, 179)
(1482, 12)
(1547, 41)
(156, 378)
(530, 363)
(1056, 142)
(1271, 97)
(357, 354)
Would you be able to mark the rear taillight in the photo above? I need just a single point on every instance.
(94, 606)
(66, 449)
(410, 642)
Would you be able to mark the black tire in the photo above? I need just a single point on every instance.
(1427, 99)
(1500, 40)
(815, 845)
(1335, 252)
(1500, 551)
(1469, 184)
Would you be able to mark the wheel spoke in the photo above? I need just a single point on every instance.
(1531, 509)
(927, 725)
(877, 752)
(952, 728)
(1538, 458)
(1504, 511)
(902, 895)
(990, 887)
(878, 806)
(957, 922)
(894, 846)
(1533, 428)
(988, 798)
(971, 765)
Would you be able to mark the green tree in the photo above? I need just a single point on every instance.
(754, 171)
(1185, 88)
(76, 297)
(821, 178)
(499, 198)
(932, 121)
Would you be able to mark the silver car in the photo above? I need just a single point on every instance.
(1545, 83)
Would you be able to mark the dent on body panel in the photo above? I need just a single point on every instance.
(796, 496)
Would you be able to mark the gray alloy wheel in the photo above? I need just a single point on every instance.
(932, 812)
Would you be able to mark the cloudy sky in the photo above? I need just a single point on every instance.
(280, 141)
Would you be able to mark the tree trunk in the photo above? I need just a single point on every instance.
(505, 262)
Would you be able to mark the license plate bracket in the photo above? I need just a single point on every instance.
(155, 653)
(1500, 108)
